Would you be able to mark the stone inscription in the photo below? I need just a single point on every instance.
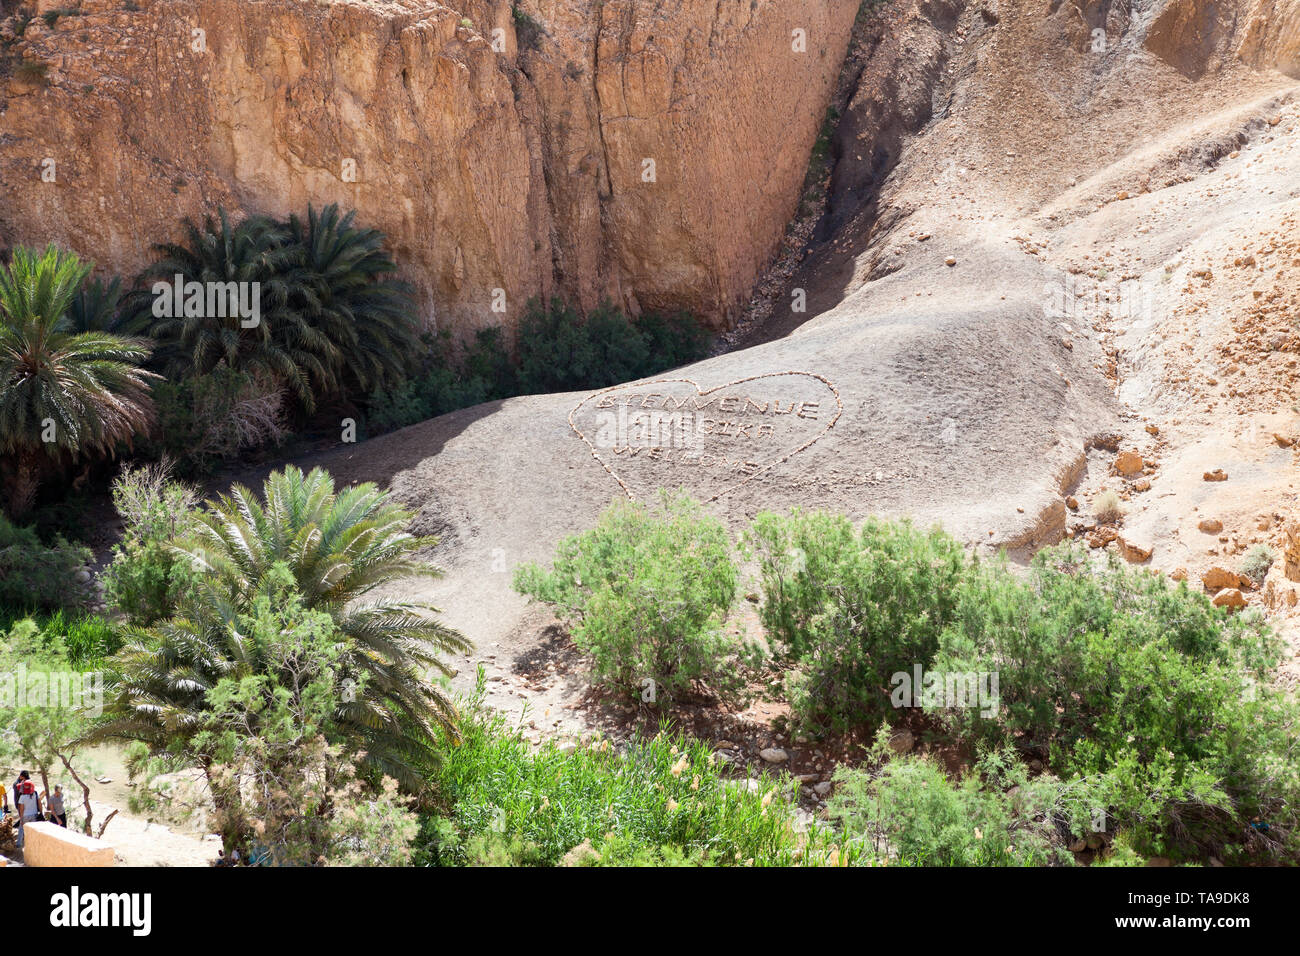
(651, 434)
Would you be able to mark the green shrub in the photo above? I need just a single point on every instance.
(34, 576)
(146, 579)
(660, 798)
(85, 639)
(82, 640)
(442, 386)
(555, 353)
(558, 351)
(849, 610)
(646, 592)
(909, 812)
(1113, 672)
(1256, 562)
(672, 340)
(70, 517)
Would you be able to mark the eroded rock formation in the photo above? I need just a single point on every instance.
(498, 150)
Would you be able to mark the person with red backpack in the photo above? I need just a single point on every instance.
(29, 803)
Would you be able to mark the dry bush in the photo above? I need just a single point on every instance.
(1107, 507)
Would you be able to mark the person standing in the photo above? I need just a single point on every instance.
(4, 801)
(29, 804)
(55, 804)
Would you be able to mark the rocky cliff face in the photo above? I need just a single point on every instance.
(648, 152)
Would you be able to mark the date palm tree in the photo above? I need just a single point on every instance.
(343, 291)
(62, 392)
(254, 251)
(339, 547)
(96, 307)
(333, 318)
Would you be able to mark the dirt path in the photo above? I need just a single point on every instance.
(136, 839)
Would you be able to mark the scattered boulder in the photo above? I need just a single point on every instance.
(1291, 552)
(1217, 475)
(1217, 578)
(1210, 525)
(1283, 440)
(1134, 551)
(1180, 574)
(1101, 537)
(774, 755)
(1229, 597)
(1128, 463)
(1072, 503)
(1276, 594)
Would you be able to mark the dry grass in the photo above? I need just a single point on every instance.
(1107, 507)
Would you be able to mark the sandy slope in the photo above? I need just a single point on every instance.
(971, 354)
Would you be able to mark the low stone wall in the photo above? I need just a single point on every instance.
(48, 844)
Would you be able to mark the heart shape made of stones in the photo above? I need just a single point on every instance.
(671, 433)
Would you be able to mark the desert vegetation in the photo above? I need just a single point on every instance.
(1127, 711)
(297, 325)
(242, 635)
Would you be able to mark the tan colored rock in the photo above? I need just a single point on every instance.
(1218, 578)
(1072, 503)
(1142, 484)
(1291, 551)
(48, 844)
(1179, 574)
(1128, 463)
(1230, 598)
(1210, 525)
(1217, 475)
(1101, 537)
(1135, 552)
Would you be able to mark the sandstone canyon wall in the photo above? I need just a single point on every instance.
(499, 145)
